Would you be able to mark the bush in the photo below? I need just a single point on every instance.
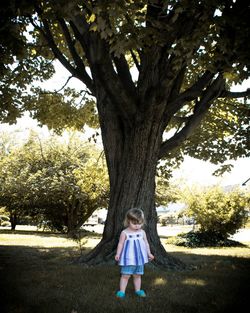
(218, 213)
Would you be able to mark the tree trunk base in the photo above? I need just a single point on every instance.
(104, 253)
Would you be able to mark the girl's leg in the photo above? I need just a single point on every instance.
(123, 282)
(137, 282)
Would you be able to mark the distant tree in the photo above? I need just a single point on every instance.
(57, 182)
(185, 55)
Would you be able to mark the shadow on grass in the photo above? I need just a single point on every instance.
(43, 280)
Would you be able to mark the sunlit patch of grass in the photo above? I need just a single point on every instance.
(36, 240)
(159, 281)
(194, 255)
(44, 240)
(196, 282)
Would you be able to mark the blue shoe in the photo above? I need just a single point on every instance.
(140, 293)
(120, 294)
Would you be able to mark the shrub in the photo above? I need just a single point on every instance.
(219, 214)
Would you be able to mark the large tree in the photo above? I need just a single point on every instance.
(160, 72)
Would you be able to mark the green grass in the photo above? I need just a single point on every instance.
(37, 275)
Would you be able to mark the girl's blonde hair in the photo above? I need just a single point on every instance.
(135, 216)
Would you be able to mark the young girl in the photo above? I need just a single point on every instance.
(133, 252)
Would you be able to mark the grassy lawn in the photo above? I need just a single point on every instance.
(37, 275)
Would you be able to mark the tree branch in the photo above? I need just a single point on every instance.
(64, 85)
(200, 109)
(78, 61)
(135, 60)
(102, 68)
(124, 74)
(191, 93)
(178, 83)
(51, 43)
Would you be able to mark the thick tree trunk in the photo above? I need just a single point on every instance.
(132, 155)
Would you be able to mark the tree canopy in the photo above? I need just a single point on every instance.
(178, 50)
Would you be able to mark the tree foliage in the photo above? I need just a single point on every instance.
(57, 182)
(183, 63)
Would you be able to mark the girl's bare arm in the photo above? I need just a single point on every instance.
(150, 255)
(120, 245)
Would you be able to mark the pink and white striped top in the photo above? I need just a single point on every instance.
(134, 250)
